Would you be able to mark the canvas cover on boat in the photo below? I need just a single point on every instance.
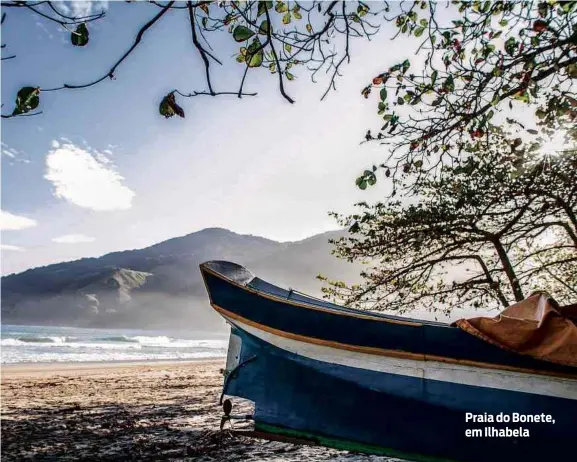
(536, 327)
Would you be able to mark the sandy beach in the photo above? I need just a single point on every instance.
(131, 411)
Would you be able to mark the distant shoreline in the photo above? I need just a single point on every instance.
(31, 369)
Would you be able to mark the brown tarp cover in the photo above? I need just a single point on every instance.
(536, 327)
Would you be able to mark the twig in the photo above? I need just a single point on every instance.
(203, 53)
(110, 73)
(206, 93)
(279, 70)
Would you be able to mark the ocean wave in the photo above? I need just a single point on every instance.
(117, 338)
(11, 342)
(41, 339)
(67, 345)
(103, 356)
(116, 343)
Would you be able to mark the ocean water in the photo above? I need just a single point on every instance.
(48, 344)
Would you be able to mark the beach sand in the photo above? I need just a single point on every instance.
(131, 411)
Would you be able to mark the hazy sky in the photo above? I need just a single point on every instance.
(100, 170)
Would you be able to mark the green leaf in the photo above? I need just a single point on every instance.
(27, 99)
(281, 7)
(296, 12)
(355, 227)
(262, 7)
(543, 9)
(522, 96)
(419, 31)
(168, 107)
(309, 28)
(449, 83)
(383, 94)
(242, 33)
(289, 76)
(254, 54)
(361, 182)
(434, 77)
(286, 19)
(510, 46)
(264, 28)
(79, 38)
(400, 101)
(503, 22)
(288, 47)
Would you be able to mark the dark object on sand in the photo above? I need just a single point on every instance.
(374, 383)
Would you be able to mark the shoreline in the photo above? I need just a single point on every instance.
(80, 367)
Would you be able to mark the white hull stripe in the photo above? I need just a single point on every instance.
(431, 370)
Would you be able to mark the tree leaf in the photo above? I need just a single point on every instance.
(286, 19)
(309, 28)
(383, 94)
(254, 54)
(419, 31)
(264, 28)
(296, 12)
(242, 33)
(449, 83)
(27, 99)
(289, 76)
(262, 7)
(355, 227)
(79, 38)
(168, 107)
(510, 46)
(281, 7)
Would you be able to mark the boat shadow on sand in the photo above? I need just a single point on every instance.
(148, 432)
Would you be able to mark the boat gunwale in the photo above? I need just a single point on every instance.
(277, 298)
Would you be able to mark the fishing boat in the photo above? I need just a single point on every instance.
(481, 389)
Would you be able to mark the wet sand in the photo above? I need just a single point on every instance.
(132, 412)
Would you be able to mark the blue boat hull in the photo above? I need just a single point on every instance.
(394, 412)
(384, 384)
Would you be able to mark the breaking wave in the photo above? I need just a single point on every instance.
(96, 345)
